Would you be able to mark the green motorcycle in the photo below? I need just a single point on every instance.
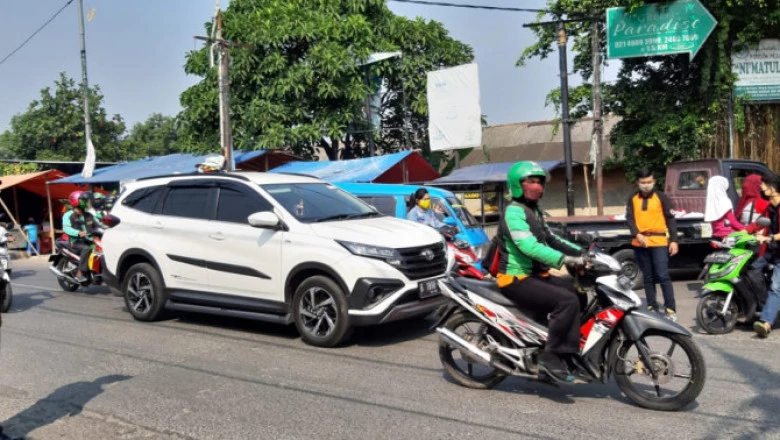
(733, 291)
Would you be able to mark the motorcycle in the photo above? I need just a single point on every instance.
(6, 291)
(464, 255)
(486, 338)
(65, 261)
(733, 291)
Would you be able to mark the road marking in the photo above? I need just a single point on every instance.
(30, 286)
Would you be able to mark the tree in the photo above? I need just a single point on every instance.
(52, 128)
(671, 108)
(299, 84)
(157, 136)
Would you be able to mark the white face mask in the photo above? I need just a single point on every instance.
(646, 187)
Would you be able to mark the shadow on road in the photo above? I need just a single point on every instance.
(239, 324)
(22, 273)
(763, 400)
(66, 401)
(26, 301)
(392, 333)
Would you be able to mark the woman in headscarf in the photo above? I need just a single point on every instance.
(751, 206)
(719, 210)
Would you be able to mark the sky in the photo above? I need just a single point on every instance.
(136, 53)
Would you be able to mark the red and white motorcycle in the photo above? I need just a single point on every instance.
(485, 338)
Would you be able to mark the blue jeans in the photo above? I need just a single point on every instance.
(654, 264)
(35, 245)
(773, 299)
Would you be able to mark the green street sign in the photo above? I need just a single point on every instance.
(658, 29)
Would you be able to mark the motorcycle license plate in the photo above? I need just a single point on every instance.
(429, 288)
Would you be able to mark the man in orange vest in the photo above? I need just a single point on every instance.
(650, 218)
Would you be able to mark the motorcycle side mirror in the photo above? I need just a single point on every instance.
(110, 220)
(764, 222)
(449, 221)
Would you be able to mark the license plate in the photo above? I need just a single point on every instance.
(429, 288)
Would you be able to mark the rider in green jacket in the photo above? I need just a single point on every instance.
(527, 252)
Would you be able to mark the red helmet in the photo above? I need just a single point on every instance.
(76, 198)
(73, 198)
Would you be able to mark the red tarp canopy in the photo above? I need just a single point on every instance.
(36, 183)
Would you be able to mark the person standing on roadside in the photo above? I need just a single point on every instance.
(770, 189)
(650, 218)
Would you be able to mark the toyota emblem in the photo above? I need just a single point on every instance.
(427, 254)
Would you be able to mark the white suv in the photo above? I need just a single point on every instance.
(274, 247)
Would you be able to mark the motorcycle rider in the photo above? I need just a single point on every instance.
(77, 225)
(98, 210)
(527, 251)
(212, 164)
(770, 189)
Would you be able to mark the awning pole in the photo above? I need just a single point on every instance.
(51, 216)
(16, 202)
(16, 224)
(587, 186)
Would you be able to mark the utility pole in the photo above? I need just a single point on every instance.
(87, 123)
(598, 122)
(371, 146)
(223, 59)
(565, 117)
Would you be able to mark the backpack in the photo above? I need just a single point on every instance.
(492, 260)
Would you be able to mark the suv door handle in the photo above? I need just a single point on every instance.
(217, 236)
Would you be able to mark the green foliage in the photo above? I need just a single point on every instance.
(10, 169)
(670, 107)
(52, 128)
(157, 136)
(298, 82)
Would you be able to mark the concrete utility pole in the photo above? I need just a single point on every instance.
(225, 132)
(87, 123)
(598, 123)
(565, 118)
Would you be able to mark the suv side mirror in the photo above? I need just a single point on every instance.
(264, 219)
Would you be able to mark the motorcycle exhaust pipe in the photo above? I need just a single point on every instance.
(482, 356)
(59, 274)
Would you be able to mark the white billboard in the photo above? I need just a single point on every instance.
(758, 72)
(454, 112)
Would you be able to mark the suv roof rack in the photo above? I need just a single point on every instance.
(196, 175)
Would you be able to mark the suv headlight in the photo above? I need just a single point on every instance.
(390, 255)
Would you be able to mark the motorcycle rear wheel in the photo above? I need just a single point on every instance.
(463, 370)
(65, 284)
(709, 317)
(628, 363)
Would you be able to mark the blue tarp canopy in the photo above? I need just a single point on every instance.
(403, 167)
(488, 173)
(181, 163)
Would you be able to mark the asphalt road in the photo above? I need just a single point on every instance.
(76, 366)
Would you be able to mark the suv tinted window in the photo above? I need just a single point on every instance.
(386, 205)
(236, 206)
(144, 199)
(189, 201)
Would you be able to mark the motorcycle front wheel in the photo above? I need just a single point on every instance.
(460, 365)
(708, 313)
(670, 379)
(7, 296)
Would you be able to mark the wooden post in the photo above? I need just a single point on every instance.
(587, 188)
(16, 203)
(16, 224)
(51, 216)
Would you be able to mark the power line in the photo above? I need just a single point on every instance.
(36, 32)
(456, 5)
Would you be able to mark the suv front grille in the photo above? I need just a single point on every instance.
(416, 265)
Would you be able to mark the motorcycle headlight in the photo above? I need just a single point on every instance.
(728, 269)
(390, 255)
(480, 250)
(465, 257)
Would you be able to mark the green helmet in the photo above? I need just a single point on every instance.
(520, 171)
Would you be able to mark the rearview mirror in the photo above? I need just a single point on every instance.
(264, 219)
(763, 222)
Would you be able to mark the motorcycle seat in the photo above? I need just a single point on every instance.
(62, 244)
(489, 290)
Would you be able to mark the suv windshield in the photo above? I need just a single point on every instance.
(462, 212)
(318, 202)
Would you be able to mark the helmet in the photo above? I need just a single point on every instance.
(521, 171)
(74, 197)
(212, 164)
(99, 202)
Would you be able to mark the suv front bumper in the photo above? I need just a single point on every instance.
(400, 301)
